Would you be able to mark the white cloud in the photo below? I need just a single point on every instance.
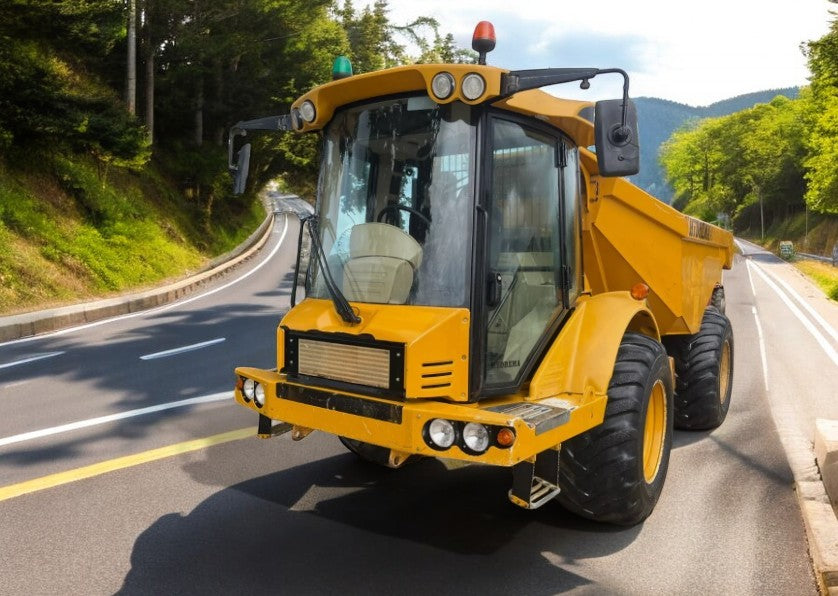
(694, 53)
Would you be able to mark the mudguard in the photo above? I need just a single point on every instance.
(581, 359)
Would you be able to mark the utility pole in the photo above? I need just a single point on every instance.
(806, 234)
(131, 70)
(149, 72)
(761, 217)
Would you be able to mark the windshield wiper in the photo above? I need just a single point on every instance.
(342, 306)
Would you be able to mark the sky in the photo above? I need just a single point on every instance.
(695, 53)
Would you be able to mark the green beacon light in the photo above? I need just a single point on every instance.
(341, 68)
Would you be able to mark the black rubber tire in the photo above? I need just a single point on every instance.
(702, 396)
(374, 453)
(601, 472)
(718, 299)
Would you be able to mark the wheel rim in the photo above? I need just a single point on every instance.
(654, 432)
(724, 372)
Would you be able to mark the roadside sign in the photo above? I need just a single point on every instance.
(786, 249)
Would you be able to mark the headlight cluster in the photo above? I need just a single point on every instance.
(305, 114)
(472, 86)
(252, 391)
(473, 438)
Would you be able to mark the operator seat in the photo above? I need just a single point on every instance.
(382, 260)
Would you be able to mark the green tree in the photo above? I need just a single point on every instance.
(727, 165)
(822, 161)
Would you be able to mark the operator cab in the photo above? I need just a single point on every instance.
(403, 219)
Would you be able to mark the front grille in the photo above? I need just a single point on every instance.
(352, 364)
(359, 364)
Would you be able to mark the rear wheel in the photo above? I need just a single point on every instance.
(615, 471)
(704, 372)
(375, 453)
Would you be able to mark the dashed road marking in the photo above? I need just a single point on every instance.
(182, 349)
(37, 434)
(31, 358)
(762, 352)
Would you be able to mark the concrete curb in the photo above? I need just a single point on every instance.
(819, 515)
(35, 323)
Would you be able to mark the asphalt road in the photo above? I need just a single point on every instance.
(239, 514)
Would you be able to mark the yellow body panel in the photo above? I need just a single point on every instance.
(403, 79)
(436, 340)
(406, 436)
(581, 360)
(564, 114)
(561, 113)
(631, 237)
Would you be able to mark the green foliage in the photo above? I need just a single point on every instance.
(87, 203)
(726, 165)
(822, 162)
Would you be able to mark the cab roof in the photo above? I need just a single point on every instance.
(573, 117)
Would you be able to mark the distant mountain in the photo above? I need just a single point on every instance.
(659, 118)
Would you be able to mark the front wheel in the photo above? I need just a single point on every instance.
(615, 471)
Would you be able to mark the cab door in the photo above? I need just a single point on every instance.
(529, 230)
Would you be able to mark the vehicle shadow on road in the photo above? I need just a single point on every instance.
(342, 525)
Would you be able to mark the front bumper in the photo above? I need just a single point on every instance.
(400, 425)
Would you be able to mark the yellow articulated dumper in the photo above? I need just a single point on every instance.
(485, 287)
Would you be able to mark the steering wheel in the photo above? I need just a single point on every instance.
(411, 210)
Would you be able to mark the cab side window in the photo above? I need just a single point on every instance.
(525, 247)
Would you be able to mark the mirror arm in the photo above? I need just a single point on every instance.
(521, 80)
(271, 123)
(625, 90)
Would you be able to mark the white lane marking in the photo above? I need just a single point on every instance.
(822, 341)
(750, 279)
(183, 349)
(802, 301)
(762, 353)
(38, 434)
(139, 313)
(32, 358)
(235, 281)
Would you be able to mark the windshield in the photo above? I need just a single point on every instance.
(395, 203)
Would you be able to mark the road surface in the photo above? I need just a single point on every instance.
(140, 476)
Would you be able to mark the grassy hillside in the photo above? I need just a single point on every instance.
(69, 231)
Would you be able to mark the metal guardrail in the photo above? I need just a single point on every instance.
(817, 258)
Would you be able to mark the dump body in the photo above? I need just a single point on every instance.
(630, 236)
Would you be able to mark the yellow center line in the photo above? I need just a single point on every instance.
(53, 480)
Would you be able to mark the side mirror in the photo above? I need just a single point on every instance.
(617, 142)
(241, 170)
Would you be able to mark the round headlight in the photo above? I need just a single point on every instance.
(307, 111)
(476, 437)
(442, 85)
(259, 395)
(473, 86)
(441, 433)
(248, 389)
